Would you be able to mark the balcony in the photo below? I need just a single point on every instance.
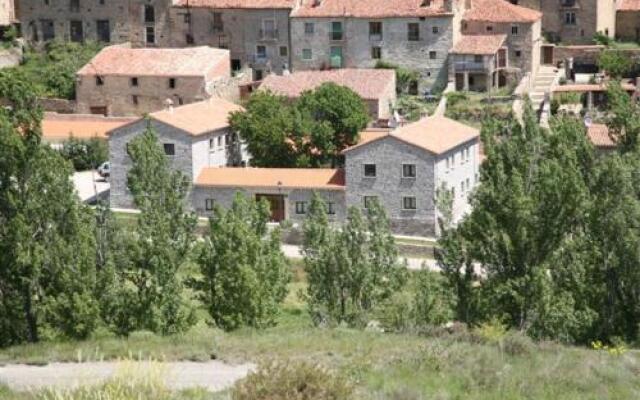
(470, 66)
(568, 3)
(336, 36)
(375, 37)
(268, 34)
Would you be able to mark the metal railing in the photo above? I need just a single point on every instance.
(469, 66)
(269, 34)
(336, 35)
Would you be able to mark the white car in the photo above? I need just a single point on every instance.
(104, 170)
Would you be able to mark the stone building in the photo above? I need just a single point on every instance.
(256, 32)
(141, 22)
(415, 34)
(194, 137)
(575, 21)
(377, 87)
(628, 20)
(519, 25)
(479, 62)
(404, 169)
(125, 81)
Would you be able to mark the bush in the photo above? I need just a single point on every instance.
(492, 332)
(434, 303)
(286, 380)
(85, 154)
(454, 98)
(404, 77)
(518, 344)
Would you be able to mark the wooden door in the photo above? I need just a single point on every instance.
(276, 204)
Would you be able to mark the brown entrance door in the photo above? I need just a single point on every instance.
(547, 55)
(276, 204)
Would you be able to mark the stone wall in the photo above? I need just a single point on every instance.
(583, 54)
(389, 154)
(242, 31)
(428, 55)
(591, 16)
(628, 25)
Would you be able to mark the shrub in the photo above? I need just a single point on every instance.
(404, 77)
(518, 344)
(85, 154)
(286, 380)
(433, 303)
(454, 98)
(492, 331)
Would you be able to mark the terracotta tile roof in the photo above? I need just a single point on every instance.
(286, 178)
(369, 84)
(369, 135)
(191, 61)
(435, 134)
(599, 135)
(590, 87)
(198, 118)
(628, 5)
(369, 8)
(478, 44)
(500, 11)
(58, 127)
(236, 4)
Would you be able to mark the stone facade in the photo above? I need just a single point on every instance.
(575, 21)
(628, 25)
(7, 13)
(141, 22)
(359, 48)
(191, 154)
(256, 38)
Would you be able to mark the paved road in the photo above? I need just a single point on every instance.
(212, 375)
(292, 251)
(90, 185)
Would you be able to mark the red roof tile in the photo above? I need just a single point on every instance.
(478, 44)
(236, 4)
(500, 11)
(370, 84)
(81, 126)
(369, 8)
(599, 135)
(285, 178)
(191, 61)
(628, 5)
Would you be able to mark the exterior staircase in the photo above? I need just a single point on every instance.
(542, 85)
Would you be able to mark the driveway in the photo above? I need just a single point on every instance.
(212, 375)
(90, 186)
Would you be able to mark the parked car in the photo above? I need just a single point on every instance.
(104, 170)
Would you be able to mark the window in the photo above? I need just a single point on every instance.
(46, 2)
(150, 34)
(409, 203)
(331, 208)
(217, 25)
(434, 30)
(413, 32)
(468, 185)
(103, 30)
(76, 31)
(309, 28)
(369, 200)
(336, 30)
(257, 74)
(376, 52)
(408, 170)
(74, 5)
(432, 55)
(570, 18)
(134, 81)
(149, 14)
(284, 51)
(99, 81)
(261, 52)
(453, 192)
(209, 204)
(489, 28)
(307, 54)
(514, 30)
(236, 65)
(227, 140)
(464, 26)
(134, 99)
(220, 141)
(212, 144)
(477, 58)
(370, 170)
(172, 83)
(518, 53)
(301, 207)
(448, 164)
(169, 149)
(269, 31)
(188, 38)
(375, 30)
(335, 57)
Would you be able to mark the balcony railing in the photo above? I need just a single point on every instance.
(269, 34)
(470, 66)
(375, 37)
(336, 35)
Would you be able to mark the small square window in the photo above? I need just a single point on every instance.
(489, 28)
(309, 28)
(261, 51)
(370, 170)
(169, 149)
(477, 58)
(331, 208)
(307, 54)
(284, 51)
(134, 100)
(99, 81)
(434, 30)
(150, 34)
(301, 207)
(187, 18)
(514, 30)
(376, 52)
(432, 55)
(375, 30)
(172, 83)
(209, 204)
(408, 170)
(188, 38)
(134, 81)
(518, 53)
(409, 203)
(369, 200)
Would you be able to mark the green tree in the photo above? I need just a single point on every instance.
(151, 288)
(244, 272)
(85, 154)
(47, 247)
(405, 78)
(351, 271)
(616, 63)
(623, 120)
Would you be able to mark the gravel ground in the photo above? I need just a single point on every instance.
(212, 375)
